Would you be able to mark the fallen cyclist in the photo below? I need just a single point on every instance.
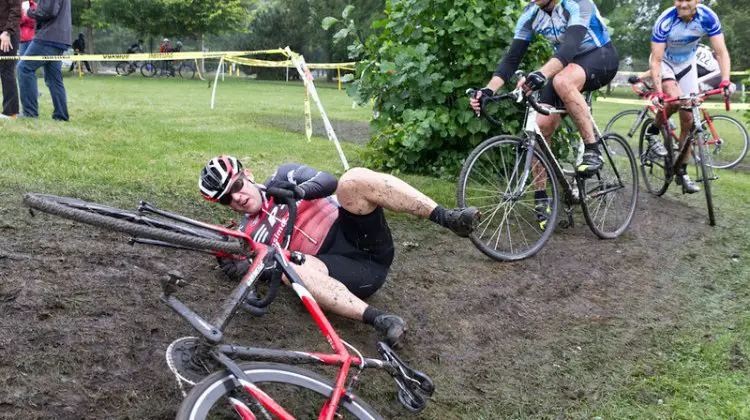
(340, 226)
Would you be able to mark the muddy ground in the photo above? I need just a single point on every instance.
(83, 333)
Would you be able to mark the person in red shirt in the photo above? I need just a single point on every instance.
(28, 26)
(340, 226)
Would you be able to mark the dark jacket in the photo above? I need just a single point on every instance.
(53, 21)
(80, 45)
(10, 16)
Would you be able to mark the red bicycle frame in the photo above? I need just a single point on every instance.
(715, 139)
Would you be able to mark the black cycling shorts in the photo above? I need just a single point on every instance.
(358, 251)
(600, 65)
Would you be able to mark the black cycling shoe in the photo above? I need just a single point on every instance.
(592, 162)
(391, 326)
(688, 185)
(462, 221)
(543, 211)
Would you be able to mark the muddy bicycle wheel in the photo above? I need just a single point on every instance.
(300, 392)
(656, 171)
(515, 221)
(609, 198)
(148, 69)
(133, 223)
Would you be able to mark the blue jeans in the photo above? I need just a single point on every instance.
(22, 47)
(52, 78)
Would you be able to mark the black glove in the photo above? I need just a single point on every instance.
(234, 269)
(485, 92)
(535, 80)
(295, 190)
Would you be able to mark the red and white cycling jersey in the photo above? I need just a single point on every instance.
(315, 216)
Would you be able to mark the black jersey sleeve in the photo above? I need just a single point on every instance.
(315, 183)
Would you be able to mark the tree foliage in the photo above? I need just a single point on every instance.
(191, 18)
(416, 70)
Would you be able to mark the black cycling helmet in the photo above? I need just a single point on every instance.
(217, 176)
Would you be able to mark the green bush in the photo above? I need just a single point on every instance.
(415, 72)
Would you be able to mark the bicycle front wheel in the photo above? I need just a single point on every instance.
(627, 124)
(656, 170)
(519, 208)
(609, 198)
(706, 176)
(133, 223)
(729, 141)
(300, 392)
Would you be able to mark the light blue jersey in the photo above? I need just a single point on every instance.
(682, 38)
(554, 25)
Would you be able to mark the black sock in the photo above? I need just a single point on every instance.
(683, 169)
(652, 129)
(540, 195)
(438, 216)
(593, 147)
(370, 314)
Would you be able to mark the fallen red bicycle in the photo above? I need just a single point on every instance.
(266, 384)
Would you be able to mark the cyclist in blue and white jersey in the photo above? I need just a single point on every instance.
(584, 60)
(674, 42)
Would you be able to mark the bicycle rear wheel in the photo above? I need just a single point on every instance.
(729, 142)
(123, 68)
(656, 171)
(187, 71)
(511, 228)
(300, 392)
(609, 198)
(705, 172)
(133, 223)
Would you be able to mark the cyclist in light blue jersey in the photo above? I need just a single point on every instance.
(676, 35)
(584, 60)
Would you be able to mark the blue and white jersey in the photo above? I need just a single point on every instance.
(554, 25)
(682, 38)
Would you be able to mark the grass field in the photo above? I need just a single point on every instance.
(131, 138)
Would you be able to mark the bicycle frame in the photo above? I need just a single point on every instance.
(715, 139)
(532, 134)
(696, 132)
(276, 258)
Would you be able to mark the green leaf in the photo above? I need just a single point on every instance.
(328, 22)
(347, 10)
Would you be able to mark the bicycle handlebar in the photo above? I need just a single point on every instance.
(517, 95)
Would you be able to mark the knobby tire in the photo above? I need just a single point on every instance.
(216, 387)
(56, 206)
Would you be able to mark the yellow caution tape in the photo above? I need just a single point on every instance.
(709, 105)
(145, 56)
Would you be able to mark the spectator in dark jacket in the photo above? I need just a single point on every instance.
(79, 46)
(28, 26)
(53, 34)
(10, 28)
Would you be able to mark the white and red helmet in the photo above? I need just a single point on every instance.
(217, 176)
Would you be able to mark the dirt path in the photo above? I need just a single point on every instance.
(83, 333)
